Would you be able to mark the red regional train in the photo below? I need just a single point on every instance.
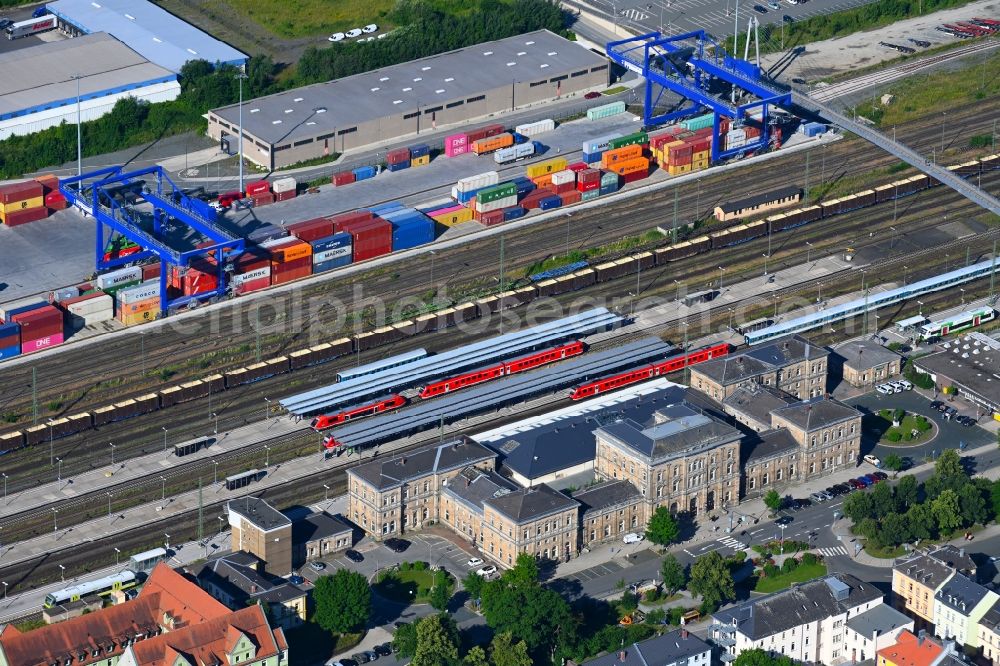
(329, 420)
(502, 369)
(672, 364)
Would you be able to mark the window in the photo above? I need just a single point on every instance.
(407, 116)
(302, 142)
(349, 130)
(454, 104)
(558, 78)
(323, 137)
(599, 68)
(478, 98)
(284, 147)
(535, 84)
(580, 73)
(431, 110)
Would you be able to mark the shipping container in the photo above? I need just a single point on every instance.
(493, 143)
(524, 185)
(484, 132)
(452, 215)
(569, 198)
(564, 177)
(599, 144)
(639, 164)
(411, 230)
(55, 201)
(491, 218)
(399, 166)
(285, 250)
(10, 352)
(456, 144)
(515, 153)
(623, 154)
(8, 310)
(310, 230)
(549, 202)
(118, 279)
(286, 195)
(605, 110)
(364, 172)
(634, 139)
(266, 232)
(698, 122)
(495, 204)
(536, 128)
(371, 238)
(140, 292)
(17, 218)
(423, 160)
(397, 155)
(13, 192)
(264, 199)
(44, 342)
(478, 181)
(49, 182)
(342, 178)
(547, 167)
(496, 192)
(419, 150)
(590, 194)
(513, 213)
(10, 334)
(258, 187)
(286, 271)
(43, 322)
(333, 251)
(24, 204)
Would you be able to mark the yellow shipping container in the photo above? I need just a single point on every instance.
(424, 160)
(703, 155)
(544, 168)
(679, 169)
(667, 147)
(127, 309)
(698, 165)
(24, 204)
(454, 217)
(139, 318)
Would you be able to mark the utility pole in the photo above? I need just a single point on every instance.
(806, 188)
(501, 280)
(201, 513)
(34, 396)
(256, 315)
(441, 429)
(673, 227)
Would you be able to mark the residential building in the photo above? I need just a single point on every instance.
(989, 634)
(865, 363)
(807, 623)
(959, 605)
(956, 558)
(610, 510)
(828, 433)
(171, 622)
(915, 582)
(260, 529)
(462, 496)
(239, 579)
(911, 650)
(318, 535)
(674, 648)
(685, 459)
(793, 364)
(539, 521)
(752, 405)
(772, 462)
(873, 630)
(388, 496)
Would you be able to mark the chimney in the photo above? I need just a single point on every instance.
(622, 655)
(253, 589)
(921, 635)
(684, 633)
(961, 552)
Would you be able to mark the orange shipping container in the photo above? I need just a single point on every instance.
(630, 166)
(623, 154)
(290, 251)
(543, 181)
(492, 143)
(128, 309)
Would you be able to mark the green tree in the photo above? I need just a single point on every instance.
(859, 506)
(712, 580)
(882, 499)
(663, 529)
(473, 584)
(476, 657)
(437, 641)
(946, 511)
(404, 640)
(949, 474)
(674, 574)
(870, 529)
(907, 490)
(893, 462)
(343, 601)
(972, 505)
(921, 521)
(441, 590)
(995, 499)
(772, 500)
(895, 529)
(758, 657)
(505, 652)
(524, 572)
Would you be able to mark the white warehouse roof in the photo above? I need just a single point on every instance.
(154, 33)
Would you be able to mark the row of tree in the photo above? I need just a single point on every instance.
(948, 501)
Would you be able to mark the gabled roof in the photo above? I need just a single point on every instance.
(910, 650)
(771, 443)
(670, 648)
(737, 368)
(817, 413)
(608, 494)
(473, 486)
(387, 473)
(319, 525)
(242, 582)
(924, 569)
(864, 354)
(757, 401)
(529, 504)
(961, 594)
(678, 430)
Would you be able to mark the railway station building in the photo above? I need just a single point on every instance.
(865, 363)
(449, 89)
(260, 529)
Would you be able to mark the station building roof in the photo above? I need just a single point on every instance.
(416, 85)
(41, 77)
(153, 32)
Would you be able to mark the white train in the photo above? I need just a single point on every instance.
(101, 586)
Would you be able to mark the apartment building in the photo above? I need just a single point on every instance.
(462, 497)
(874, 630)
(686, 460)
(793, 365)
(539, 521)
(828, 433)
(807, 623)
(771, 463)
(915, 582)
(752, 405)
(674, 648)
(609, 511)
(911, 650)
(388, 496)
(959, 605)
(989, 634)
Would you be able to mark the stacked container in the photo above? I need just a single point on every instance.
(88, 310)
(593, 149)
(398, 159)
(310, 230)
(331, 252)
(545, 168)
(10, 339)
(550, 201)
(631, 170)
(291, 259)
(266, 232)
(263, 199)
(410, 228)
(588, 180)
(63, 294)
(363, 173)
(536, 128)
(466, 188)
(250, 273)
(8, 310)
(563, 181)
(496, 197)
(698, 122)
(258, 187)
(812, 129)
(513, 213)
(615, 155)
(484, 132)
(610, 182)
(199, 278)
(284, 188)
(533, 199)
(21, 203)
(138, 304)
(493, 143)
(420, 155)
(341, 219)
(605, 110)
(490, 218)
(456, 144)
(449, 215)
(123, 278)
(40, 329)
(54, 199)
(342, 178)
(371, 238)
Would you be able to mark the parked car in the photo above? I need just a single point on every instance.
(369, 29)
(843, 488)
(907, 386)
(883, 389)
(863, 481)
(352, 33)
(783, 520)
(773, 5)
(787, 19)
(872, 460)
(872, 479)
(633, 537)
(857, 485)
(798, 80)
(296, 579)
(4, 22)
(360, 657)
(397, 545)
(475, 562)
(353, 555)
(371, 654)
(817, 497)
(487, 571)
(802, 503)
(760, 9)
(935, 405)
(317, 566)
(336, 37)
(593, 94)
(882, 476)
(383, 650)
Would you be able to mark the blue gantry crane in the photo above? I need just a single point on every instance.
(694, 66)
(153, 224)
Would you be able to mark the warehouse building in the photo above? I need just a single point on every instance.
(968, 367)
(39, 90)
(386, 104)
(154, 33)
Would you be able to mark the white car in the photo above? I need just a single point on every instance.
(369, 29)
(883, 389)
(367, 39)
(383, 35)
(353, 32)
(632, 537)
(487, 571)
(474, 562)
(872, 460)
(907, 386)
(336, 37)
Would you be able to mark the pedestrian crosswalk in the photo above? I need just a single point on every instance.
(830, 552)
(634, 14)
(730, 542)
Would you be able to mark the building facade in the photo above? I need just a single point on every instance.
(609, 511)
(827, 431)
(262, 530)
(866, 363)
(793, 365)
(989, 634)
(959, 605)
(911, 650)
(772, 463)
(915, 582)
(539, 521)
(318, 535)
(674, 648)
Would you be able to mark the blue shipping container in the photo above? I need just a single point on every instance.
(382, 209)
(330, 264)
(513, 213)
(399, 166)
(549, 203)
(9, 352)
(25, 308)
(361, 173)
(465, 197)
(608, 189)
(419, 150)
(524, 186)
(593, 158)
(412, 231)
(337, 240)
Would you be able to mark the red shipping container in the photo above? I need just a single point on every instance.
(483, 132)
(263, 199)
(343, 178)
(372, 238)
(55, 199)
(635, 175)
(311, 230)
(150, 271)
(532, 199)
(570, 197)
(587, 187)
(291, 270)
(346, 218)
(49, 181)
(199, 282)
(398, 155)
(14, 192)
(285, 196)
(41, 323)
(577, 167)
(564, 187)
(589, 176)
(491, 218)
(258, 187)
(25, 216)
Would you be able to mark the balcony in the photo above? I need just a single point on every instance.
(727, 657)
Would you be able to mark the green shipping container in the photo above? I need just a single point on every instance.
(590, 194)
(496, 192)
(699, 122)
(636, 139)
(606, 110)
(118, 287)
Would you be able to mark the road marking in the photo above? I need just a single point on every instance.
(830, 552)
(689, 552)
(735, 544)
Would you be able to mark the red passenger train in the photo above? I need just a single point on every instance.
(502, 369)
(329, 420)
(672, 364)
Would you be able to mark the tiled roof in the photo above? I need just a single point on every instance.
(606, 495)
(670, 648)
(473, 486)
(386, 473)
(259, 513)
(530, 504)
(961, 594)
(863, 354)
(925, 570)
(757, 401)
(910, 650)
(771, 443)
(737, 368)
(817, 413)
(181, 597)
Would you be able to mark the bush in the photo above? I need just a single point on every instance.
(898, 415)
(789, 565)
(894, 436)
(923, 425)
(405, 566)
(907, 436)
(770, 571)
(675, 614)
(651, 595)
(656, 616)
(809, 559)
(629, 602)
(419, 566)
(981, 141)
(739, 556)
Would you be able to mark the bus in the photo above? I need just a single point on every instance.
(147, 561)
(956, 323)
(101, 586)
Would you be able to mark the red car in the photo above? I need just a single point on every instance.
(592, 95)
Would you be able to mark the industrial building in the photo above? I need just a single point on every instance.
(39, 85)
(967, 367)
(154, 33)
(407, 99)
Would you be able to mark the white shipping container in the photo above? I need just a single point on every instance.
(256, 274)
(506, 202)
(736, 134)
(563, 177)
(79, 321)
(283, 185)
(478, 181)
(737, 143)
(65, 294)
(536, 128)
(278, 242)
(14, 305)
(119, 277)
(92, 305)
(138, 293)
(335, 253)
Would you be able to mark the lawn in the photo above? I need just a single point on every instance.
(886, 553)
(802, 573)
(889, 435)
(410, 586)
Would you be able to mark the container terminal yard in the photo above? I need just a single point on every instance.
(277, 341)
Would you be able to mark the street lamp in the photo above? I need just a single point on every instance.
(267, 456)
(242, 75)
(721, 275)
(809, 247)
(79, 144)
(163, 488)
(51, 452)
(166, 540)
(55, 516)
(4, 475)
(108, 493)
(112, 453)
(267, 408)
(326, 495)
(765, 262)
(62, 572)
(216, 417)
(4, 589)
(215, 474)
(117, 553)
(164, 429)
(59, 469)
